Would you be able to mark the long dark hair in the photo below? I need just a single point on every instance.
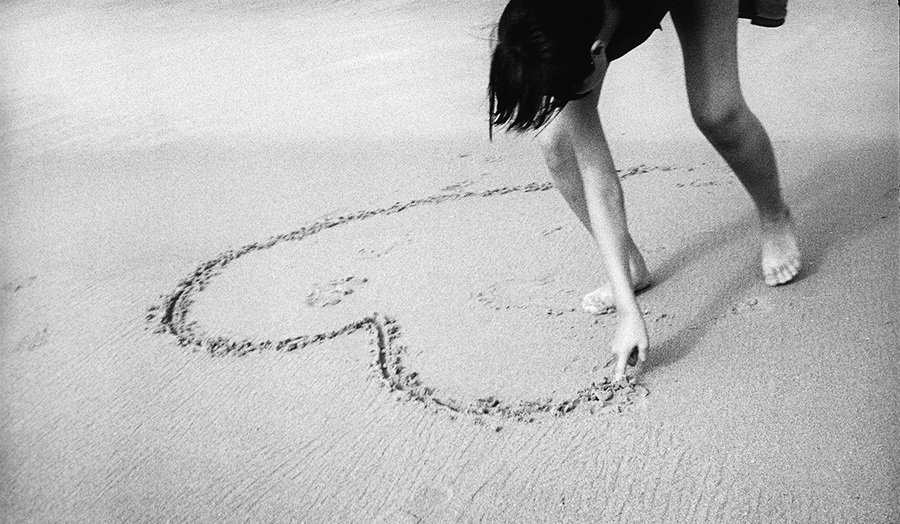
(541, 59)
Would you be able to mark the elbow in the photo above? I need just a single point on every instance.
(556, 147)
(554, 139)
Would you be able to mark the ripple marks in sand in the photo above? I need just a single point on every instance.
(173, 317)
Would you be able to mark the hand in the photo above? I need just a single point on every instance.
(630, 339)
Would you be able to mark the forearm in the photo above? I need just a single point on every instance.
(606, 210)
(607, 214)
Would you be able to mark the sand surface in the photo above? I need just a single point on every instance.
(306, 191)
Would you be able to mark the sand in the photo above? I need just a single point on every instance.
(261, 264)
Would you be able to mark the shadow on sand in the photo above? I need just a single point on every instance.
(846, 195)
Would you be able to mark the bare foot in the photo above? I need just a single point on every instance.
(601, 300)
(780, 254)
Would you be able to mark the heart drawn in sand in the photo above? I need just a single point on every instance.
(173, 316)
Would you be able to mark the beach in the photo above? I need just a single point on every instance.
(261, 263)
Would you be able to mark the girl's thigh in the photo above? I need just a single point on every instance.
(707, 30)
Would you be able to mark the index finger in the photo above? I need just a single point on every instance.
(623, 361)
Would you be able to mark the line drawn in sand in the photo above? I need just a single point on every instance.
(172, 316)
(18, 284)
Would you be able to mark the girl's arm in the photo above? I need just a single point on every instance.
(606, 210)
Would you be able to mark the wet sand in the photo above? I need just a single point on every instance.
(261, 264)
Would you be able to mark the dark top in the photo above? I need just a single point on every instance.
(639, 20)
(641, 17)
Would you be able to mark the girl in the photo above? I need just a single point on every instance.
(547, 71)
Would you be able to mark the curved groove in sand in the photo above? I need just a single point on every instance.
(172, 317)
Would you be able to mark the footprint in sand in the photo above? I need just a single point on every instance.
(544, 294)
(34, 341)
(745, 306)
(331, 293)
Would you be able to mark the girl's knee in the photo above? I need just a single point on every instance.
(722, 123)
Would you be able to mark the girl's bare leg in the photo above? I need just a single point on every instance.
(708, 33)
(557, 147)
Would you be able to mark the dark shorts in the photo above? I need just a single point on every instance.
(642, 17)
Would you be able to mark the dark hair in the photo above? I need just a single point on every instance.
(541, 59)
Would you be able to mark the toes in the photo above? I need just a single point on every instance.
(587, 304)
(782, 274)
(779, 274)
(785, 275)
(596, 309)
(790, 270)
(597, 302)
(775, 276)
